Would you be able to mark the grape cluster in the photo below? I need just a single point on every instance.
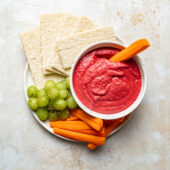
(53, 101)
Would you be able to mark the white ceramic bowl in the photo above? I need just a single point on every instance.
(130, 108)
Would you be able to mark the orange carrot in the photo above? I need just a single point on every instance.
(111, 127)
(94, 122)
(73, 118)
(132, 50)
(91, 132)
(70, 125)
(92, 146)
(77, 126)
(108, 130)
(97, 140)
(102, 131)
(114, 124)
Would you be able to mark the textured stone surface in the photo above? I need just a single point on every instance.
(144, 143)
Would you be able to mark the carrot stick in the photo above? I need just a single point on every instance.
(108, 122)
(132, 50)
(91, 146)
(111, 127)
(77, 126)
(94, 122)
(108, 129)
(115, 124)
(97, 140)
(90, 132)
(102, 131)
(72, 118)
(70, 125)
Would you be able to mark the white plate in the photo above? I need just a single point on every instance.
(28, 80)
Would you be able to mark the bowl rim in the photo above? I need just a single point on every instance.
(131, 108)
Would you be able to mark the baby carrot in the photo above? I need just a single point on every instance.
(72, 118)
(108, 130)
(132, 50)
(92, 146)
(90, 132)
(77, 126)
(97, 140)
(69, 125)
(95, 123)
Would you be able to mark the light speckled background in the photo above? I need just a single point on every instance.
(141, 145)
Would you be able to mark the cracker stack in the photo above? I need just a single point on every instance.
(52, 47)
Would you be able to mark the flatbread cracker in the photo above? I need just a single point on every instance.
(70, 46)
(32, 47)
(55, 64)
(50, 25)
(83, 24)
(67, 28)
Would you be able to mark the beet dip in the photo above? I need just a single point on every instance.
(104, 86)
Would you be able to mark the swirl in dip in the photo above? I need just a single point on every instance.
(104, 86)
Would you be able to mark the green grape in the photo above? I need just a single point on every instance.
(51, 104)
(53, 93)
(43, 101)
(49, 84)
(60, 85)
(63, 93)
(71, 103)
(53, 115)
(32, 91)
(32, 103)
(60, 104)
(64, 114)
(41, 93)
(42, 114)
(67, 82)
